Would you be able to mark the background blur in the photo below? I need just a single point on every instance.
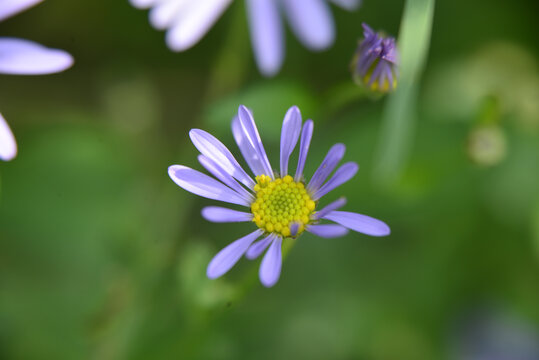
(102, 256)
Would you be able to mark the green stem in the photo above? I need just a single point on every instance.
(400, 112)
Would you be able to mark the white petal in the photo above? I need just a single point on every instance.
(23, 57)
(11, 7)
(203, 185)
(311, 21)
(165, 13)
(266, 35)
(8, 146)
(196, 21)
(229, 256)
(223, 215)
(144, 4)
(349, 5)
(360, 223)
(270, 268)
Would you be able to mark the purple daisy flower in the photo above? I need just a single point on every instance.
(280, 205)
(376, 62)
(23, 57)
(187, 21)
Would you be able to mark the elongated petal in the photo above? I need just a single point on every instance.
(247, 150)
(23, 57)
(9, 8)
(312, 22)
(225, 178)
(337, 204)
(266, 35)
(294, 228)
(165, 13)
(229, 256)
(219, 214)
(334, 155)
(289, 136)
(195, 23)
(256, 249)
(212, 148)
(203, 185)
(360, 223)
(8, 146)
(251, 133)
(327, 230)
(305, 142)
(144, 4)
(349, 5)
(342, 175)
(270, 268)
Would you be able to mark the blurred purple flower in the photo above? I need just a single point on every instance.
(23, 57)
(491, 334)
(188, 21)
(281, 206)
(376, 62)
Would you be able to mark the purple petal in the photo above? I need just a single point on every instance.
(229, 256)
(219, 214)
(247, 150)
(9, 8)
(342, 175)
(305, 142)
(212, 148)
(360, 223)
(225, 178)
(327, 230)
(312, 22)
(8, 146)
(258, 247)
(23, 57)
(289, 136)
(349, 5)
(270, 268)
(337, 204)
(334, 155)
(266, 35)
(203, 185)
(294, 228)
(196, 21)
(251, 133)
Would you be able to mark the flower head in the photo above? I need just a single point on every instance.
(376, 62)
(187, 21)
(280, 205)
(23, 57)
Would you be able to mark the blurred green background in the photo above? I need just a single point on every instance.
(102, 256)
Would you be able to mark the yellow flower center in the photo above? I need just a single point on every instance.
(281, 203)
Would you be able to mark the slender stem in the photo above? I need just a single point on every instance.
(400, 113)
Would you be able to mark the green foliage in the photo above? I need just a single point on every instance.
(102, 256)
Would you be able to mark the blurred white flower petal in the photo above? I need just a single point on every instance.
(8, 146)
(24, 57)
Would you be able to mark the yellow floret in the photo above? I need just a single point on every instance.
(279, 203)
